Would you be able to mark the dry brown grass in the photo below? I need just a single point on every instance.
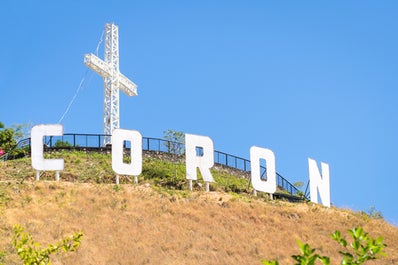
(146, 224)
(138, 225)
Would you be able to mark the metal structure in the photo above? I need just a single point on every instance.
(113, 79)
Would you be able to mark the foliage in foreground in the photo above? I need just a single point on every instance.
(9, 137)
(363, 248)
(32, 253)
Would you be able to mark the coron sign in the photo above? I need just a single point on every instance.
(204, 160)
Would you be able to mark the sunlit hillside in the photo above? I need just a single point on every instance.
(159, 221)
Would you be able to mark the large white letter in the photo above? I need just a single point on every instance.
(319, 182)
(257, 153)
(204, 161)
(133, 168)
(37, 133)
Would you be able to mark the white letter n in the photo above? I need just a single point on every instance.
(319, 182)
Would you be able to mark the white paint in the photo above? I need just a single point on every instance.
(203, 162)
(37, 134)
(257, 153)
(190, 184)
(319, 182)
(133, 168)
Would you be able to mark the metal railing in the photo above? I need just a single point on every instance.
(94, 142)
(4, 157)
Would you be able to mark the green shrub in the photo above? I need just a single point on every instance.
(60, 143)
(32, 253)
(164, 173)
(363, 248)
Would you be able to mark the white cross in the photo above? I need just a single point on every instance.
(113, 79)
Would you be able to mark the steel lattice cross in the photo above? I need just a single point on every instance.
(113, 79)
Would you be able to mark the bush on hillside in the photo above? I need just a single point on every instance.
(33, 253)
(363, 248)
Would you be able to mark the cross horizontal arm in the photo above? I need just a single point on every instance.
(104, 70)
(127, 86)
(98, 65)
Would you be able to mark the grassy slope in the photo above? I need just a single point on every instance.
(151, 223)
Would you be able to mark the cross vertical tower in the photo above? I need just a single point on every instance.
(113, 79)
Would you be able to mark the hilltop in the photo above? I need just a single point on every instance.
(159, 221)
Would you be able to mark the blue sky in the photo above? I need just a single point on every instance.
(304, 78)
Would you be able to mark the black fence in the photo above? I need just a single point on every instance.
(95, 142)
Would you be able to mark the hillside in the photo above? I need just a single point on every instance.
(157, 223)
